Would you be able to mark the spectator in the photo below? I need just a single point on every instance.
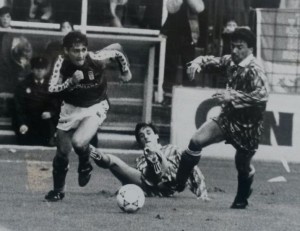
(230, 26)
(36, 111)
(54, 48)
(181, 28)
(41, 10)
(66, 27)
(16, 53)
(106, 12)
(5, 17)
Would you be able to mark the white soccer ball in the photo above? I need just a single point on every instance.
(130, 198)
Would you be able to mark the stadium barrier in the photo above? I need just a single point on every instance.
(191, 107)
(140, 49)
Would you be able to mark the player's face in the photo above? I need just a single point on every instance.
(240, 51)
(77, 54)
(147, 136)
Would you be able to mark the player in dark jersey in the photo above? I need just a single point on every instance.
(240, 122)
(77, 78)
(155, 170)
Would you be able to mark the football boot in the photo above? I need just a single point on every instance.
(84, 174)
(54, 196)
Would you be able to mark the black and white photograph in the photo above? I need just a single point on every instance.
(147, 115)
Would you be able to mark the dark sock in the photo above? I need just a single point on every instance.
(186, 165)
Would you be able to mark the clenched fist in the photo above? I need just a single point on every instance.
(77, 77)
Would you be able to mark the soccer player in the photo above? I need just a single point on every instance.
(155, 170)
(240, 122)
(77, 77)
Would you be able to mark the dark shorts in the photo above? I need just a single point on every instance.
(240, 136)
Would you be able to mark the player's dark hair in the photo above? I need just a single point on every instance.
(244, 34)
(74, 37)
(139, 126)
(4, 10)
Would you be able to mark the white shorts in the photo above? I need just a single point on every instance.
(71, 116)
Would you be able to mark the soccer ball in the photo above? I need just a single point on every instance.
(130, 198)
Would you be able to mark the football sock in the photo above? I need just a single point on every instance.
(186, 165)
(59, 173)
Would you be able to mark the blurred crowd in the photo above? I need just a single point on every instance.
(192, 27)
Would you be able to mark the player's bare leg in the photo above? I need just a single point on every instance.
(122, 171)
(60, 166)
(80, 142)
(245, 179)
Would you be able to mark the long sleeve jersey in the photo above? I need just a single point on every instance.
(93, 88)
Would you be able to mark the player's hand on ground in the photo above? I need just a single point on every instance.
(23, 129)
(126, 76)
(77, 77)
(192, 69)
(46, 115)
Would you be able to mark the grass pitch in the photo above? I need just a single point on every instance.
(26, 178)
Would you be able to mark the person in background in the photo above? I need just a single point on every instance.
(36, 110)
(41, 10)
(66, 27)
(229, 27)
(155, 170)
(14, 61)
(106, 12)
(182, 31)
(5, 17)
(54, 47)
(240, 122)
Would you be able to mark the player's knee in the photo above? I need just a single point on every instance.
(195, 145)
(79, 145)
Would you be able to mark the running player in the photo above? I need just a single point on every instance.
(155, 170)
(241, 121)
(77, 77)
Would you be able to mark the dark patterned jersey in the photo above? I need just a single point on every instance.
(242, 118)
(93, 88)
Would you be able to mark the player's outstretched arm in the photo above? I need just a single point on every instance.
(201, 62)
(114, 52)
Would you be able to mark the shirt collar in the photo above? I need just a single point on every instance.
(244, 62)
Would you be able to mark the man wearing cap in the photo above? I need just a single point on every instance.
(36, 111)
(240, 122)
